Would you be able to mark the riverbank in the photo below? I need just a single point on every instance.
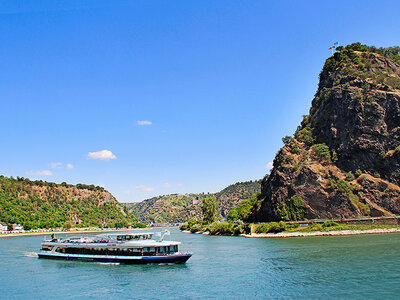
(282, 229)
(321, 233)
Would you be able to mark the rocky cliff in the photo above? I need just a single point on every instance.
(344, 158)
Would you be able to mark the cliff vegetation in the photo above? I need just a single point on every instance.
(344, 158)
(180, 208)
(41, 204)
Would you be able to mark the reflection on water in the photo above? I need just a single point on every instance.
(221, 267)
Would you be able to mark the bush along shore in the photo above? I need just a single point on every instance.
(283, 229)
(294, 224)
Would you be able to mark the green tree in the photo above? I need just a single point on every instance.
(286, 139)
(322, 151)
(209, 208)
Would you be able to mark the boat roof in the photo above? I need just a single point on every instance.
(133, 233)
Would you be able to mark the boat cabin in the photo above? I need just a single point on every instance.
(131, 237)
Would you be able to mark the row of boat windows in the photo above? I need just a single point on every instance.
(133, 237)
(120, 251)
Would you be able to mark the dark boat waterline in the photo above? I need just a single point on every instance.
(170, 259)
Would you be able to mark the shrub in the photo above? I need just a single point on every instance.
(334, 156)
(293, 210)
(358, 173)
(286, 139)
(382, 154)
(377, 175)
(295, 148)
(272, 227)
(397, 150)
(322, 151)
(315, 227)
(343, 186)
(243, 211)
(196, 228)
(239, 227)
(292, 226)
(226, 228)
(349, 176)
(358, 97)
(329, 224)
(305, 135)
(191, 222)
(288, 159)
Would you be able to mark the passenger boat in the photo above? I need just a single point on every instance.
(126, 248)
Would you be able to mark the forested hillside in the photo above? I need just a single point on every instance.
(179, 208)
(40, 204)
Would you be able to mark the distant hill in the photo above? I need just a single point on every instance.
(41, 204)
(180, 208)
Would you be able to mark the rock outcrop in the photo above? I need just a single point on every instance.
(344, 158)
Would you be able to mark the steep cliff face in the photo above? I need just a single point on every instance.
(344, 158)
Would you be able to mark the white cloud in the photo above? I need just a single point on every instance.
(179, 184)
(70, 166)
(269, 165)
(56, 165)
(102, 155)
(145, 188)
(40, 173)
(166, 185)
(144, 122)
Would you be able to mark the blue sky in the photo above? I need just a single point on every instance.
(218, 83)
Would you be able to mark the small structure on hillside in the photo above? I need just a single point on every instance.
(196, 201)
(17, 227)
(3, 227)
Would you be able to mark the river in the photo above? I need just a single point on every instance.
(364, 266)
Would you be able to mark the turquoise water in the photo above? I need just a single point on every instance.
(359, 267)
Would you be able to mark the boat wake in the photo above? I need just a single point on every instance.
(29, 254)
(109, 263)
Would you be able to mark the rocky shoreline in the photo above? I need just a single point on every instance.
(321, 233)
(307, 234)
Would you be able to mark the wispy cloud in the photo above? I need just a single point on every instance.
(102, 155)
(70, 166)
(144, 122)
(145, 188)
(166, 185)
(40, 173)
(56, 165)
(270, 165)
